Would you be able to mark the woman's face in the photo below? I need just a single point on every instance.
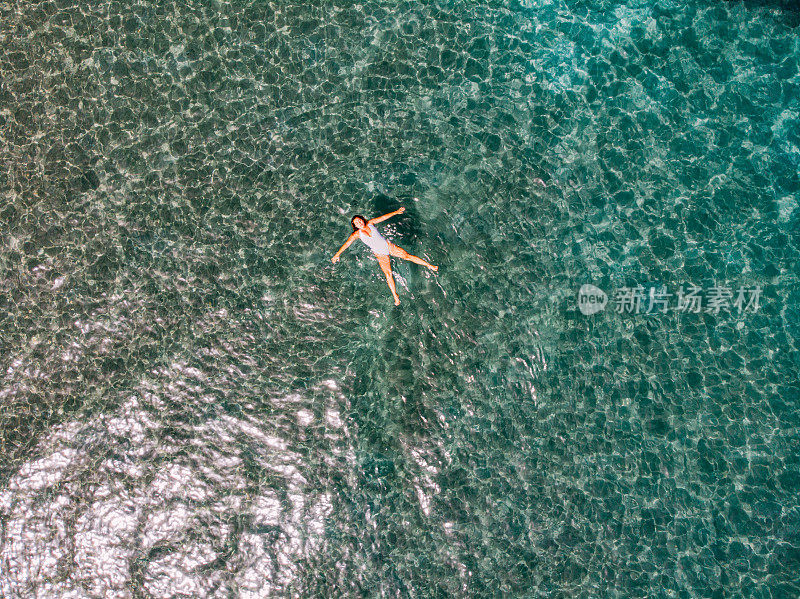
(359, 223)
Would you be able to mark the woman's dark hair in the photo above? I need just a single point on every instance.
(353, 221)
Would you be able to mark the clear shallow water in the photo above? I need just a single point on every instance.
(196, 403)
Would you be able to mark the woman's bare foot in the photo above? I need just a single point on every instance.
(397, 301)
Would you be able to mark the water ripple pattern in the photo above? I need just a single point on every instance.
(195, 403)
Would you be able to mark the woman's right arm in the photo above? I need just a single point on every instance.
(346, 245)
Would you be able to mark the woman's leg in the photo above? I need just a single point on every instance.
(386, 267)
(401, 253)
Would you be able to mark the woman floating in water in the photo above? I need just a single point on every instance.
(368, 233)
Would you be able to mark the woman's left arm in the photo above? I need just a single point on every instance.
(380, 219)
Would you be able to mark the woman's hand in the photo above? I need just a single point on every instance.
(335, 259)
(401, 210)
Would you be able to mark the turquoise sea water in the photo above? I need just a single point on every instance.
(194, 402)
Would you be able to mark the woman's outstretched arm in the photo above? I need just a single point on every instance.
(380, 219)
(346, 245)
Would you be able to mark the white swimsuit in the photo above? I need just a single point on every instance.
(376, 242)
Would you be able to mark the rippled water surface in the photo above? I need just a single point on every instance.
(194, 402)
